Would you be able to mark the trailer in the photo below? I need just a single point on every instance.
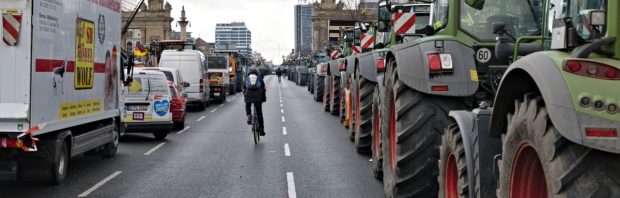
(60, 86)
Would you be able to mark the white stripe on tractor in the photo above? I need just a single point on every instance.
(404, 22)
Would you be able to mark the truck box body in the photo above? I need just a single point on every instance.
(61, 70)
(48, 78)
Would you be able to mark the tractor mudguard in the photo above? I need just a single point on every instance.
(350, 64)
(413, 69)
(368, 63)
(538, 72)
(334, 67)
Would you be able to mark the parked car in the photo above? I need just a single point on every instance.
(193, 68)
(177, 106)
(148, 104)
(173, 75)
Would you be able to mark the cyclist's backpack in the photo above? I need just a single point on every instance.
(253, 82)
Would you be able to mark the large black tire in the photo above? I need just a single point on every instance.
(376, 147)
(327, 93)
(58, 171)
(334, 99)
(231, 89)
(202, 107)
(569, 169)
(179, 125)
(342, 107)
(453, 175)
(413, 125)
(319, 88)
(109, 150)
(352, 119)
(364, 90)
(160, 135)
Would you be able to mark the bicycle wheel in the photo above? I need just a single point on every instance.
(255, 126)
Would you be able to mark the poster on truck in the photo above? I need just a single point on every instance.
(76, 60)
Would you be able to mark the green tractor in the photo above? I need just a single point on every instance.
(431, 70)
(551, 130)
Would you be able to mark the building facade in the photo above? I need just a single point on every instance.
(151, 23)
(236, 33)
(303, 30)
(177, 36)
(328, 16)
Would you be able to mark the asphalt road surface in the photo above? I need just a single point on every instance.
(306, 153)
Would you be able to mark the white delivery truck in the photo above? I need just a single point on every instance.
(60, 83)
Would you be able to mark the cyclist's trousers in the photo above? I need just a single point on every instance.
(259, 111)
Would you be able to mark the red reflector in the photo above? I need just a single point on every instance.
(380, 64)
(439, 88)
(611, 73)
(597, 132)
(434, 62)
(573, 66)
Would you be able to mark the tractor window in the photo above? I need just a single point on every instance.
(440, 18)
(579, 12)
(522, 18)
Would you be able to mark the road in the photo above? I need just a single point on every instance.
(306, 153)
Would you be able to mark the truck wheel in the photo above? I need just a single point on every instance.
(413, 125)
(376, 147)
(363, 114)
(334, 99)
(109, 150)
(160, 135)
(538, 162)
(58, 171)
(179, 125)
(453, 176)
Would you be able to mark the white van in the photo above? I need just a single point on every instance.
(147, 104)
(193, 68)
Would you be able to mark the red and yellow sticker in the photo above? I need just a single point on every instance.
(84, 54)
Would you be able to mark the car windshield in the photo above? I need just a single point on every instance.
(521, 17)
(216, 62)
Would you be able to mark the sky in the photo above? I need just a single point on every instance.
(270, 21)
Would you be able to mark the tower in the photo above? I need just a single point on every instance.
(183, 23)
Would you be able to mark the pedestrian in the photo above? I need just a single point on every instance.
(279, 73)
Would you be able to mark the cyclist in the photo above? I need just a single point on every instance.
(254, 93)
(279, 73)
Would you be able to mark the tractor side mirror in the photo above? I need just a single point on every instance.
(499, 28)
(384, 17)
(476, 4)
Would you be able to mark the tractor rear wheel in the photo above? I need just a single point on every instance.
(413, 124)
(334, 99)
(376, 147)
(538, 162)
(363, 114)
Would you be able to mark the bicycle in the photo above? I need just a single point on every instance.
(255, 125)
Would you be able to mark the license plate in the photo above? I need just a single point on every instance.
(137, 107)
(216, 94)
(138, 116)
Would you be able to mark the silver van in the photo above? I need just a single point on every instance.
(193, 68)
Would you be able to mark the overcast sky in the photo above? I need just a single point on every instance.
(271, 21)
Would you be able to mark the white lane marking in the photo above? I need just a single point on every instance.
(213, 110)
(99, 184)
(280, 101)
(185, 129)
(282, 111)
(154, 148)
(199, 119)
(283, 130)
(287, 151)
(222, 105)
(290, 180)
(281, 105)
(283, 120)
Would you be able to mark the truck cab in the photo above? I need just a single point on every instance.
(219, 77)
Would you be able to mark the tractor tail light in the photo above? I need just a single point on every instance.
(434, 62)
(601, 132)
(592, 69)
(380, 64)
